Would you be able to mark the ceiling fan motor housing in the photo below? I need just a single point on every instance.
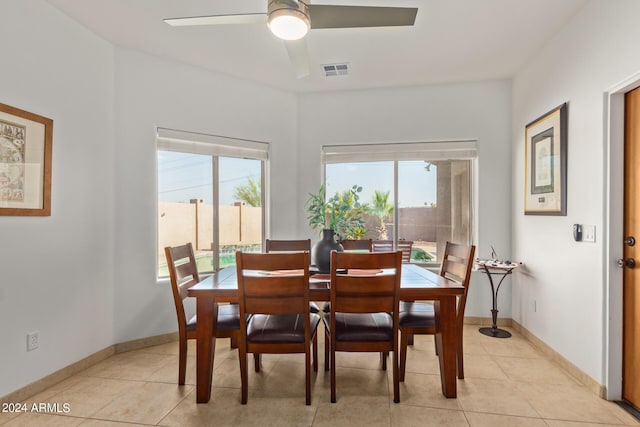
(291, 5)
(295, 12)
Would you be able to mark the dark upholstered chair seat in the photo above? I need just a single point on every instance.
(361, 327)
(417, 314)
(228, 318)
(279, 328)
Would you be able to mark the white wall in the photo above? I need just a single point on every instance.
(56, 272)
(153, 92)
(85, 277)
(479, 111)
(565, 278)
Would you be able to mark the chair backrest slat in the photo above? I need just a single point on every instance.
(458, 250)
(274, 262)
(183, 288)
(357, 245)
(187, 269)
(288, 305)
(405, 246)
(387, 246)
(346, 304)
(279, 286)
(354, 285)
(181, 252)
(287, 245)
(455, 270)
(382, 245)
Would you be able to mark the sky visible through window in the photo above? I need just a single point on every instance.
(416, 184)
(185, 176)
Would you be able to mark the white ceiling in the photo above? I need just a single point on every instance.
(452, 40)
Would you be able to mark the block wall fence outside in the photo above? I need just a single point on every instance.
(241, 224)
(180, 223)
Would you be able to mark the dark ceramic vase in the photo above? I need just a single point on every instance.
(321, 253)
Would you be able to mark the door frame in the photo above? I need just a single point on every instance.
(613, 232)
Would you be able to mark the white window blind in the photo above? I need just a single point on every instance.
(201, 143)
(440, 150)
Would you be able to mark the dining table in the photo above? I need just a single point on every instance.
(417, 283)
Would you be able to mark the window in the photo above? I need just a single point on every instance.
(210, 193)
(418, 195)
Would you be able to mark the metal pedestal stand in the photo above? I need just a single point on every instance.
(503, 270)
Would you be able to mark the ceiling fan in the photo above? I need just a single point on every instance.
(291, 19)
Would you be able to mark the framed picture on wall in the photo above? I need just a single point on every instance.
(545, 183)
(25, 162)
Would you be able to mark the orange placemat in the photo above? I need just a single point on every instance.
(299, 272)
(358, 272)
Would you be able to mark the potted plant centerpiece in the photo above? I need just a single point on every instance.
(341, 216)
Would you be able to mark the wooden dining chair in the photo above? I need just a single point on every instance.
(387, 245)
(406, 246)
(183, 274)
(357, 245)
(272, 245)
(417, 318)
(363, 316)
(382, 245)
(274, 310)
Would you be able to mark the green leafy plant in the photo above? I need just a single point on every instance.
(420, 255)
(341, 213)
(382, 209)
(249, 193)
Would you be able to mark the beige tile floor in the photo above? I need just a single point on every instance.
(508, 383)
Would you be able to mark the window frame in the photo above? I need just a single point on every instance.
(214, 146)
(410, 151)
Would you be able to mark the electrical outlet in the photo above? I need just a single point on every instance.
(589, 233)
(32, 340)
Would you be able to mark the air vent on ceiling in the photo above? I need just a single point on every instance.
(335, 69)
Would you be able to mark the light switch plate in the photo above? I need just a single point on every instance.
(588, 233)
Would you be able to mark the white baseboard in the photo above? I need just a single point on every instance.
(68, 371)
(572, 369)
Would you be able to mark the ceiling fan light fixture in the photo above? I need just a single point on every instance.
(288, 20)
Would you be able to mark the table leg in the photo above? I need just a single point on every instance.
(207, 312)
(446, 330)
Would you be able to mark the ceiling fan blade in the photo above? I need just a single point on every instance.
(331, 16)
(299, 56)
(247, 18)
